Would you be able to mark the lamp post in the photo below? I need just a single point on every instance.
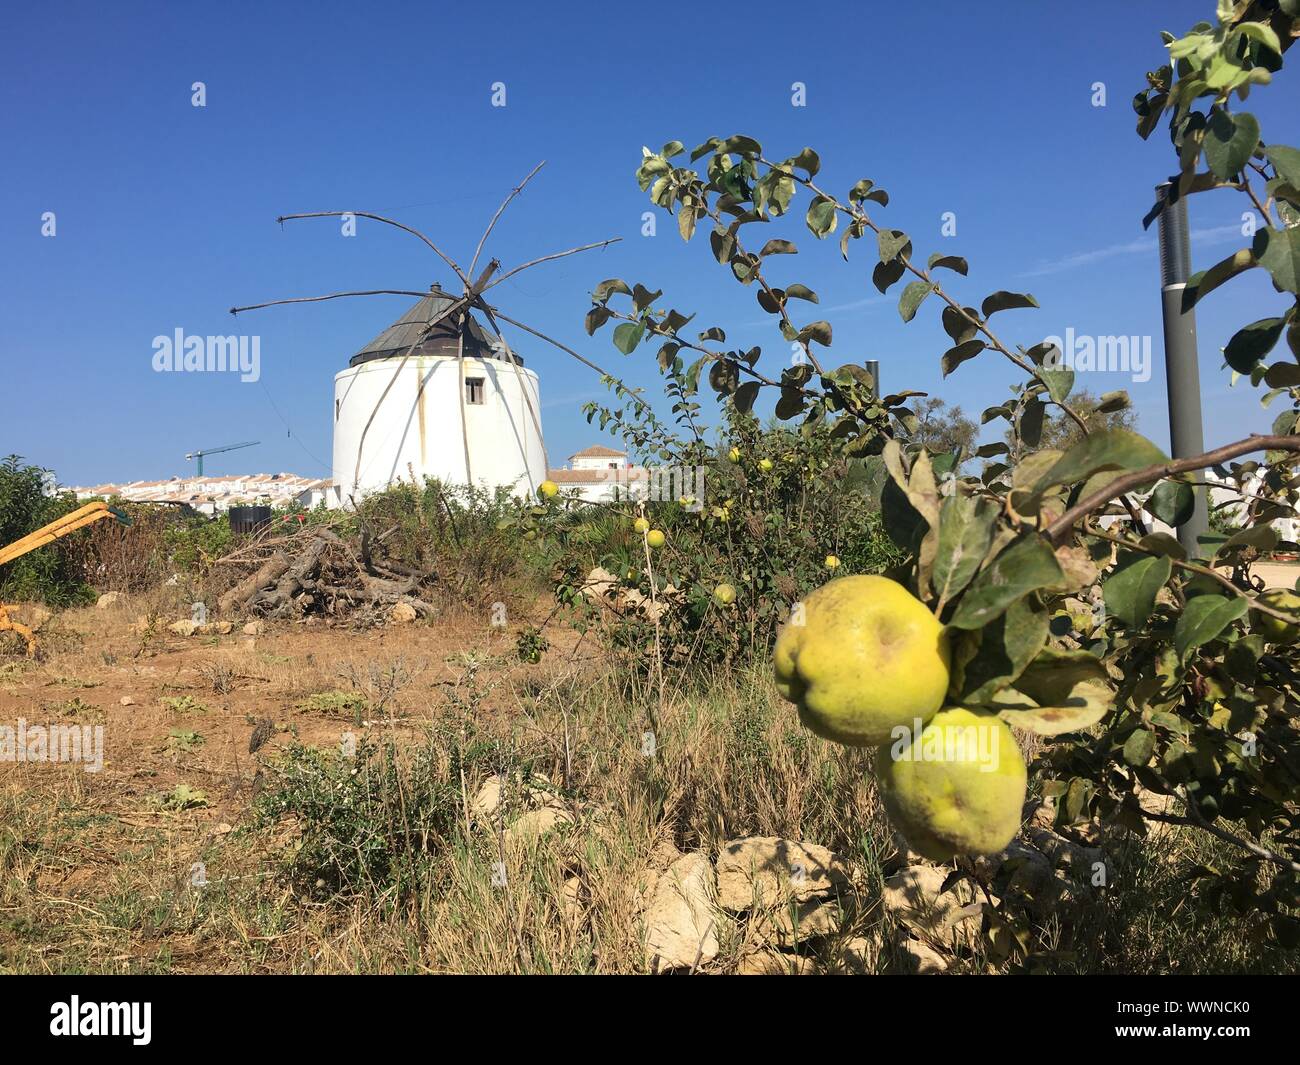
(1182, 376)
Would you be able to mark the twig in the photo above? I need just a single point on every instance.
(501, 210)
(331, 296)
(1060, 528)
(388, 221)
(553, 256)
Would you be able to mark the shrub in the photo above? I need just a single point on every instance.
(27, 502)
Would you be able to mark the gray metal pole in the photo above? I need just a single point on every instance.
(1182, 376)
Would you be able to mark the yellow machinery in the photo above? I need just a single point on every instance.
(56, 529)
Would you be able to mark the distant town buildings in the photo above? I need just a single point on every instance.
(595, 474)
(216, 495)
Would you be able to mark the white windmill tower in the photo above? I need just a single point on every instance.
(436, 394)
(443, 401)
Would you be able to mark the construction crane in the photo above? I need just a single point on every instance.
(47, 534)
(216, 451)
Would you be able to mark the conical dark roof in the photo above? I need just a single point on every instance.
(396, 340)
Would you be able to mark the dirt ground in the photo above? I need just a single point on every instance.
(179, 712)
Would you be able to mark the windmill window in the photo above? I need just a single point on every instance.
(474, 391)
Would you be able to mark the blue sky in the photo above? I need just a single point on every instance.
(166, 212)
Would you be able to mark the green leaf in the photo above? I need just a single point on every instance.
(740, 145)
(891, 242)
(1278, 252)
(801, 292)
(1286, 161)
(1005, 649)
(1113, 401)
(808, 161)
(1031, 422)
(954, 357)
(1022, 568)
(1070, 691)
(628, 335)
(1230, 140)
(965, 532)
(1110, 449)
(778, 247)
(1130, 592)
(818, 331)
(790, 404)
(596, 317)
(885, 274)
(1203, 619)
(607, 288)
(1139, 747)
(1006, 301)
(957, 325)
(642, 297)
(744, 396)
(1172, 502)
(1204, 282)
(1078, 708)
(948, 262)
(822, 217)
(912, 297)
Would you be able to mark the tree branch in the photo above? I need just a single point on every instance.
(387, 221)
(331, 296)
(556, 255)
(1060, 528)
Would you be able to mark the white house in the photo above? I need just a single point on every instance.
(600, 474)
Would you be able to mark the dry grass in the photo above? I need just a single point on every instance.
(96, 876)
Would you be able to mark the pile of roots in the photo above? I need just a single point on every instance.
(313, 571)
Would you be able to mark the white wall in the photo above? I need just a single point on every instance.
(418, 425)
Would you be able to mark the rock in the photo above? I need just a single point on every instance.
(573, 899)
(183, 628)
(107, 599)
(681, 928)
(798, 922)
(859, 956)
(775, 963)
(216, 628)
(493, 793)
(402, 614)
(920, 960)
(536, 823)
(126, 700)
(912, 896)
(768, 869)
(254, 628)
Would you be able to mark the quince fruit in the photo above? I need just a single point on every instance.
(861, 656)
(956, 786)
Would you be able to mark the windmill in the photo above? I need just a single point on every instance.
(441, 335)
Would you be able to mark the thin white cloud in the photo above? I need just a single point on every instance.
(1144, 246)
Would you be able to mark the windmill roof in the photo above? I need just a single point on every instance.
(442, 339)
